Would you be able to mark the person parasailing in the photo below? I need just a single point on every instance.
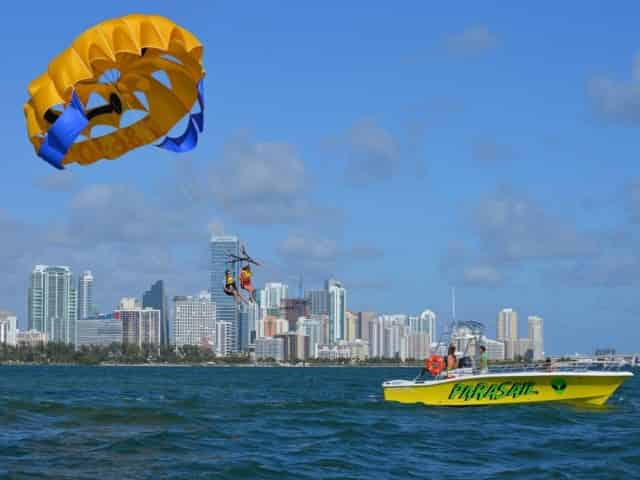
(231, 289)
(245, 281)
(245, 271)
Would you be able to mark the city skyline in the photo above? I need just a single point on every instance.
(319, 325)
(273, 297)
(443, 153)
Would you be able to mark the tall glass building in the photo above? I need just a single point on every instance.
(226, 308)
(337, 310)
(318, 301)
(274, 294)
(156, 298)
(52, 303)
(85, 295)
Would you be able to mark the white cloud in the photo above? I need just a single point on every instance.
(318, 257)
(512, 227)
(372, 153)
(261, 183)
(618, 101)
(472, 41)
(59, 181)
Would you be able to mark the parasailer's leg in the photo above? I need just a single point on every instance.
(233, 292)
(249, 288)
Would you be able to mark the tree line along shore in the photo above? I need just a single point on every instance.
(150, 355)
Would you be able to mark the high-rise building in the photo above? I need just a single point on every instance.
(394, 341)
(318, 301)
(7, 328)
(351, 326)
(507, 332)
(428, 324)
(337, 310)
(363, 324)
(312, 328)
(270, 348)
(101, 330)
(376, 326)
(536, 336)
(140, 326)
(248, 325)
(418, 345)
(52, 303)
(226, 308)
(271, 326)
(274, 295)
(156, 298)
(507, 325)
(293, 309)
(195, 320)
(224, 339)
(85, 295)
(296, 346)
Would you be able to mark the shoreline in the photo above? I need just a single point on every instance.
(202, 365)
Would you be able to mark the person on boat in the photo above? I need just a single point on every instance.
(452, 362)
(245, 281)
(548, 366)
(484, 360)
(230, 287)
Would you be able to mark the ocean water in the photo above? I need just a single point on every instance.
(292, 423)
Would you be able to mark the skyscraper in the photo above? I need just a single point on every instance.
(226, 308)
(318, 301)
(140, 326)
(292, 310)
(85, 295)
(156, 298)
(195, 320)
(428, 321)
(507, 331)
(7, 328)
(274, 294)
(351, 326)
(376, 326)
(536, 336)
(52, 303)
(363, 324)
(223, 339)
(248, 325)
(313, 329)
(337, 310)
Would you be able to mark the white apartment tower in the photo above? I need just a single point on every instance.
(507, 332)
(535, 336)
(274, 294)
(85, 295)
(194, 320)
(52, 303)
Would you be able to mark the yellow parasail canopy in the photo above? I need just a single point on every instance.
(137, 62)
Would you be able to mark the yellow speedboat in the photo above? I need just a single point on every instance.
(465, 388)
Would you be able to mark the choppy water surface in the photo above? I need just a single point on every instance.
(150, 422)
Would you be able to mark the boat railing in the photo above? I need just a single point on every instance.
(557, 366)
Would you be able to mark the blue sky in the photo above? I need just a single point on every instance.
(403, 149)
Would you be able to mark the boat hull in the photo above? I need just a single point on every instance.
(588, 388)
